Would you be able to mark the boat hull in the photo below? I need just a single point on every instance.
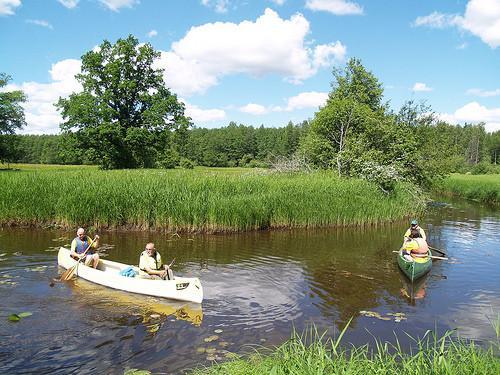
(414, 269)
(108, 274)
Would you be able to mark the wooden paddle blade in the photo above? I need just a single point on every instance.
(68, 274)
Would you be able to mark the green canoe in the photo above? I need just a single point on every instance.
(416, 268)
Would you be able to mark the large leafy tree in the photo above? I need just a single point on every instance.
(11, 119)
(353, 105)
(356, 134)
(125, 114)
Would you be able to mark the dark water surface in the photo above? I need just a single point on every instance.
(258, 287)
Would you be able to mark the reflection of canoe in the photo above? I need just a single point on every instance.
(415, 268)
(413, 290)
(96, 295)
(108, 274)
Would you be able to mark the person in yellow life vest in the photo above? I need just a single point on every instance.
(415, 245)
(414, 225)
(80, 244)
(151, 266)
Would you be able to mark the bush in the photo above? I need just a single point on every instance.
(168, 160)
(186, 163)
(385, 176)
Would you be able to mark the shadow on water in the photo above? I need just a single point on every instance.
(258, 287)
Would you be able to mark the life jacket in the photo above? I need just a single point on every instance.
(81, 246)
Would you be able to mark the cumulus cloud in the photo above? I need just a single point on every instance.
(270, 45)
(338, 7)
(152, 33)
(115, 5)
(41, 115)
(303, 100)
(484, 93)
(254, 109)
(475, 113)
(199, 115)
(7, 7)
(421, 87)
(42, 23)
(70, 4)
(312, 99)
(481, 18)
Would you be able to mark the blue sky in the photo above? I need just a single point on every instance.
(264, 62)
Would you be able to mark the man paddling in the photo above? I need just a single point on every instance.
(151, 266)
(414, 225)
(82, 243)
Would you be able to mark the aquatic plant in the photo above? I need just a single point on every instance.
(196, 200)
(482, 188)
(312, 353)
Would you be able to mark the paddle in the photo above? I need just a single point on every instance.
(439, 251)
(170, 275)
(68, 274)
(431, 256)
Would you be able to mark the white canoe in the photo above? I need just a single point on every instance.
(108, 274)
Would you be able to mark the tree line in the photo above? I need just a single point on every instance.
(125, 117)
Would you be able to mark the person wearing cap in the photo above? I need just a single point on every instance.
(414, 225)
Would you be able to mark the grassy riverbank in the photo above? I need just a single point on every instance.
(194, 200)
(312, 355)
(481, 188)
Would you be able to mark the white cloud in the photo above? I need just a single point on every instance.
(7, 7)
(475, 113)
(481, 18)
(199, 115)
(115, 5)
(310, 99)
(42, 23)
(438, 20)
(220, 6)
(279, 2)
(338, 7)
(41, 115)
(484, 93)
(270, 45)
(152, 33)
(70, 4)
(421, 87)
(303, 100)
(254, 109)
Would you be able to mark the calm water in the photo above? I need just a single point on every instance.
(258, 288)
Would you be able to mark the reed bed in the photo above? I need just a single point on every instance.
(194, 200)
(482, 188)
(311, 353)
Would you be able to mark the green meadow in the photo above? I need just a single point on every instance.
(481, 188)
(199, 200)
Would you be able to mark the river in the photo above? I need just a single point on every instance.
(258, 287)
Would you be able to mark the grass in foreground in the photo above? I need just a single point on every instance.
(311, 354)
(482, 188)
(195, 200)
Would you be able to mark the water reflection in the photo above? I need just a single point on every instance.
(413, 291)
(138, 305)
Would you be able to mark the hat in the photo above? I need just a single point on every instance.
(414, 222)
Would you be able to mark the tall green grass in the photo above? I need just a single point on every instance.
(310, 353)
(194, 200)
(482, 188)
